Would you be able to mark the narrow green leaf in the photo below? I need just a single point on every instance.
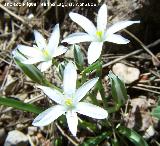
(57, 141)
(20, 105)
(132, 136)
(34, 74)
(115, 142)
(93, 141)
(78, 57)
(92, 67)
(156, 112)
(89, 125)
(61, 68)
(119, 91)
(31, 71)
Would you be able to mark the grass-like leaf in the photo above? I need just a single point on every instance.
(20, 105)
(93, 141)
(132, 136)
(31, 71)
(156, 112)
(119, 91)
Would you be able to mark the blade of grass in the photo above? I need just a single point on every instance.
(20, 105)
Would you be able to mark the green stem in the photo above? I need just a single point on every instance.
(100, 85)
(84, 78)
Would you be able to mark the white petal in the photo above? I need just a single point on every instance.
(69, 79)
(31, 60)
(91, 110)
(49, 115)
(84, 22)
(43, 66)
(118, 39)
(59, 51)
(78, 37)
(94, 51)
(29, 51)
(17, 55)
(120, 25)
(102, 18)
(53, 94)
(72, 121)
(54, 39)
(40, 40)
(82, 91)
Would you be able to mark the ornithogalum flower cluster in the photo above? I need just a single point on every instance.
(69, 101)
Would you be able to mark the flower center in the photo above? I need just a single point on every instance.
(99, 34)
(45, 52)
(69, 102)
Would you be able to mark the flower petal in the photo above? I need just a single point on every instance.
(102, 18)
(40, 40)
(91, 110)
(60, 50)
(69, 79)
(54, 39)
(82, 91)
(94, 51)
(53, 94)
(78, 37)
(43, 66)
(31, 60)
(120, 25)
(18, 55)
(29, 51)
(49, 115)
(84, 22)
(72, 121)
(118, 39)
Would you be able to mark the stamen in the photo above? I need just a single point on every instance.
(68, 102)
(45, 52)
(99, 35)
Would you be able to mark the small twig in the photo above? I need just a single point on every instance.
(6, 61)
(130, 54)
(148, 86)
(147, 81)
(5, 79)
(144, 89)
(155, 73)
(14, 15)
(25, 22)
(65, 135)
(6, 34)
(30, 140)
(143, 46)
(121, 58)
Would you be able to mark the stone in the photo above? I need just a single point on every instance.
(32, 130)
(126, 73)
(16, 138)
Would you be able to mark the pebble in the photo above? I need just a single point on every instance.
(16, 138)
(32, 130)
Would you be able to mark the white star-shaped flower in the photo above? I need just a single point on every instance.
(43, 52)
(69, 102)
(97, 35)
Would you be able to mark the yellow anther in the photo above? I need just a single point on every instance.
(68, 102)
(45, 52)
(99, 33)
